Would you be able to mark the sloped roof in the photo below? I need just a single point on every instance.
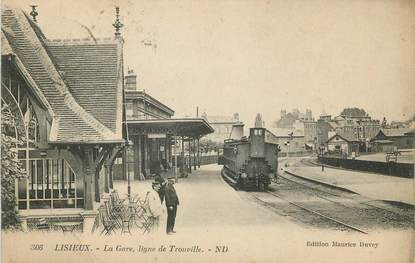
(78, 96)
(395, 132)
(137, 94)
(92, 71)
(347, 139)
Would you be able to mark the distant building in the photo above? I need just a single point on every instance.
(287, 120)
(140, 105)
(289, 140)
(361, 129)
(396, 138)
(342, 145)
(222, 126)
(299, 121)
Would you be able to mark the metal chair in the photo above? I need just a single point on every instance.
(43, 224)
(108, 223)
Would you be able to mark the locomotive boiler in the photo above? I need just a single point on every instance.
(250, 163)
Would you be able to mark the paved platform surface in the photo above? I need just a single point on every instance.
(375, 186)
(207, 201)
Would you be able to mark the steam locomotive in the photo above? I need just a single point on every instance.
(250, 163)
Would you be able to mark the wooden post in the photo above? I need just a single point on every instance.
(97, 190)
(89, 183)
(111, 177)
(106, 179)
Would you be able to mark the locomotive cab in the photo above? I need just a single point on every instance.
(251, 164)
(257, 137)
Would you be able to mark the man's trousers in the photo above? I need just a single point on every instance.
(171, 218)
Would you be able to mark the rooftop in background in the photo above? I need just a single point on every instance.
(394, 132)
(141, 95)
(287, 120)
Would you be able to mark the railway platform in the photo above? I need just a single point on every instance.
(375, 186)
(207, 202)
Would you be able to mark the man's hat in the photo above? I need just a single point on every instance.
(155, 183)
(171, 179)
(158, 179)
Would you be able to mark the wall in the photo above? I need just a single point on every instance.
(403, 142)
(405, 170)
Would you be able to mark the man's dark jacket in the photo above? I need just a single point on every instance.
(171, 196)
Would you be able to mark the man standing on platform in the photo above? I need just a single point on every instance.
(172, 201)
(163, 182)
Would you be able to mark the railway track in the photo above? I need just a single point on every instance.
(349, 209)
(326, 217)
(334, 191)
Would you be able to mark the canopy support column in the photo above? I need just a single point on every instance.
(198, 152)
(194, 154)
(190, 157)
(175, 156)
(182, 155)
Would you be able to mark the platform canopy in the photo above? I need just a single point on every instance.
(179, 127)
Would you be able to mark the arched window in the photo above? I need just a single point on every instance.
(49, 182)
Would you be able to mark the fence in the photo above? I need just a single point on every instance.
(295, 154)
(204, 160)
(405, 170)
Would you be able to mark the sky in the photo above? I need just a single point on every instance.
(257, 56)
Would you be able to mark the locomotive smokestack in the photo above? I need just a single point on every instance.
(237, 131)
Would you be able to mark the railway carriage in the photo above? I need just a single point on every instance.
(250, 163)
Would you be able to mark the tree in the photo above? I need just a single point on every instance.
(11, 169)
(353, 112)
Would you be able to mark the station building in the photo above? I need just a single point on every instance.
(158, 140)
(68, 99)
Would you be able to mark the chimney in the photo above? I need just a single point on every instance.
(308, 114)
(236, 116)
(237, 131)
(131, 80)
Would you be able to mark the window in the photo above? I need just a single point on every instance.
(258, 132)
(48, 183)
(51, 184)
